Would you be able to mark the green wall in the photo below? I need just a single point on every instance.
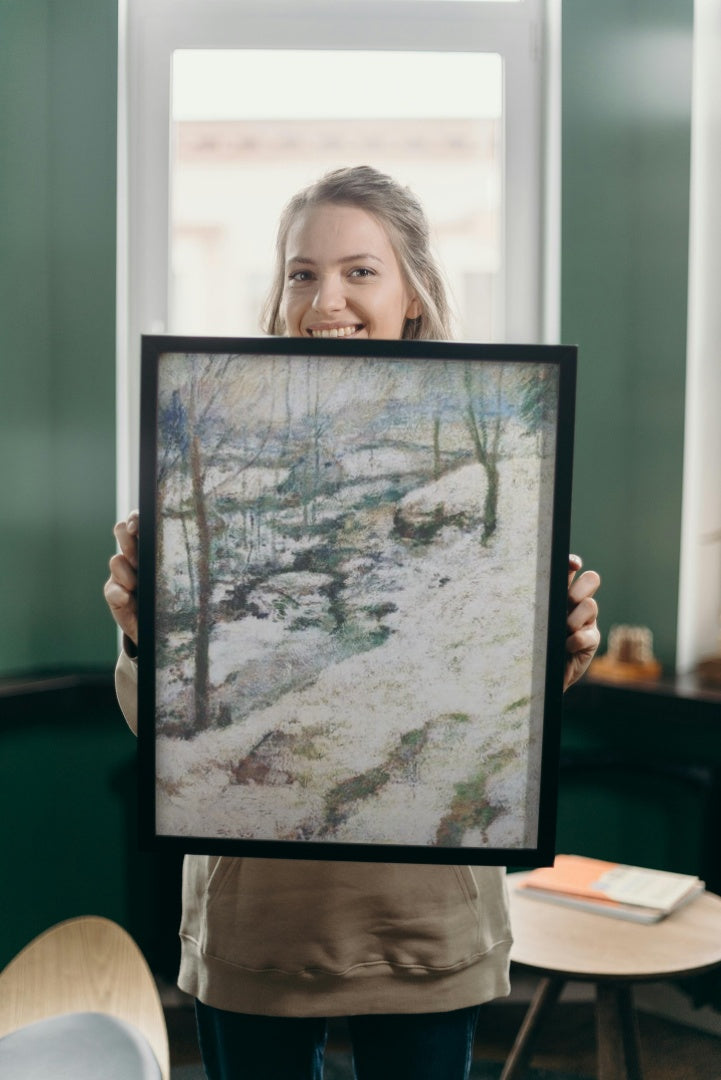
(68, 805)
(67, 774)
(58, 71)
(625, 201)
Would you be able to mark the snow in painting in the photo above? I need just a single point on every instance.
(352, 564)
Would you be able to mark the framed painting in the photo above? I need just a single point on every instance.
(352, 597)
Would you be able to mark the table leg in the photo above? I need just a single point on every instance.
(617, 1033)
(545, 997)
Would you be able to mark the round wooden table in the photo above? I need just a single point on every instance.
(562, 944)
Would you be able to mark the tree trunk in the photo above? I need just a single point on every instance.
(436, 447)
(490, 506)
(487, 456)
(203, 585)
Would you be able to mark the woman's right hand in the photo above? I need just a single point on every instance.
(121, 587)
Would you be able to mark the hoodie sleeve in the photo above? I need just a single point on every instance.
(126, 688)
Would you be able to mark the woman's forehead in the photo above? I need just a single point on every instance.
(327, 229)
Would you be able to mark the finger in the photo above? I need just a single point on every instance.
(123, 573)
(118, 598)
(123, 608)
(585, 585)
(586, 640)
(575, 562)
(584, 613)
(126, 534)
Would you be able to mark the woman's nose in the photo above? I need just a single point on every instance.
(329, 296)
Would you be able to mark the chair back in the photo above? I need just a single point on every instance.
(87, 964)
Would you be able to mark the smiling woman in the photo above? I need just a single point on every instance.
(293, 940)
(353, 259)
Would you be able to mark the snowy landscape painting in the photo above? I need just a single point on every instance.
(352, 560)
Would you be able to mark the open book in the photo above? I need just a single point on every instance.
(608, 888)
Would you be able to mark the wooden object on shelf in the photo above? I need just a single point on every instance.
(629, 657)
(619, 671)
(708, 671)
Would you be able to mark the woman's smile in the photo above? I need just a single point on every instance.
(335, 331)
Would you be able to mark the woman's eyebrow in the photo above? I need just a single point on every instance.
(361, 257)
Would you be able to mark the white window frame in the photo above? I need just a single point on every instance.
(699, 597)
(526, 34)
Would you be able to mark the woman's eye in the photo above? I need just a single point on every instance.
(300, 276)
(362, 272)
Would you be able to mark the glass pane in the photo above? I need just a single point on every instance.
(432, 120)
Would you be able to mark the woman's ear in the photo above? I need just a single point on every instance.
(415, 309)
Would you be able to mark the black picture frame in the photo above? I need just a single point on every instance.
(348, 648)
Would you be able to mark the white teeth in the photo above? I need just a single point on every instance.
(335, 332)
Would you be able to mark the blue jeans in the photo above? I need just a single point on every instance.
(416, 1046)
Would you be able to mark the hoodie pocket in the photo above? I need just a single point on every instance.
(293, 916)
(468, 884)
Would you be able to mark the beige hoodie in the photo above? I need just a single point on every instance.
(287, 937)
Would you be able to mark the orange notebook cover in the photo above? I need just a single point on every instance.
(612, 883)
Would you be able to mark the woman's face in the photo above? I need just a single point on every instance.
(342, 277)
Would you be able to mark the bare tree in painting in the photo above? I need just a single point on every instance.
(433, 384)
(317, 426)
(202, 572)
(538, 403)
(172, 462)
(436, 446)
(196, 431)
(485, 423)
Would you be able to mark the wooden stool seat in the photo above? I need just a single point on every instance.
(562, 944)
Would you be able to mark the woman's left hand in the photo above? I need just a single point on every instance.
(583, 636)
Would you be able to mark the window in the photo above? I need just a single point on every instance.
(235, 161)
(227, 107)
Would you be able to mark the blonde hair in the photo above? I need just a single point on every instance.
(403, 217)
